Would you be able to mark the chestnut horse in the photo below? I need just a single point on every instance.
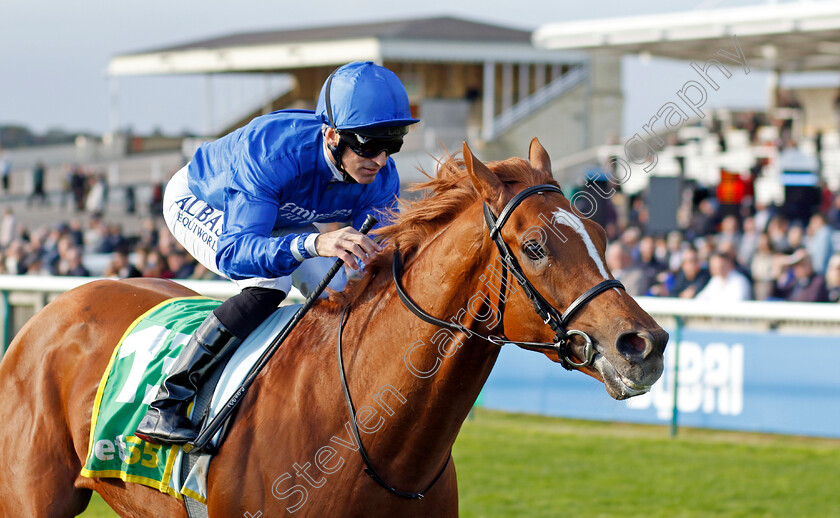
(290, 448)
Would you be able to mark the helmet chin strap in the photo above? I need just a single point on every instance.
(337, 152)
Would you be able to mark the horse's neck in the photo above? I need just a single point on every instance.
(424, 380)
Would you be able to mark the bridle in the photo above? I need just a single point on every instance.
(549, 314)
(546, 311)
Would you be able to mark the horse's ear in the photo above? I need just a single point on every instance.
(538, 157)
(485, 181)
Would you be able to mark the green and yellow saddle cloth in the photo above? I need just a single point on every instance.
(138, 366)
(140, 362)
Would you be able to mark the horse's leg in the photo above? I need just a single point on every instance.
(39, 459)
(135, 500)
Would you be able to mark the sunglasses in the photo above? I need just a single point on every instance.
(370, 147)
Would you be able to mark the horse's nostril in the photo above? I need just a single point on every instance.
(634, 346)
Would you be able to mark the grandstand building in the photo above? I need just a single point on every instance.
(479, 82)
(798, 133)
(497, 87)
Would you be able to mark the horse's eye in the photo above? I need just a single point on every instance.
(533, 250)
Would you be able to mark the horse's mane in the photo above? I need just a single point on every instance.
(444, 197)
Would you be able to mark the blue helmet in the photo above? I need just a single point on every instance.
(362, 95)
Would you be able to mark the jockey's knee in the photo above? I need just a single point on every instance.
(310, 273)
(244, 312)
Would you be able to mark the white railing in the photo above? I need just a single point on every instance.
(760, 317)
(21, 296)
(43, 288)
(536, 100)
(55, 285)
(657, 306)
(748, 310)
(50, 284)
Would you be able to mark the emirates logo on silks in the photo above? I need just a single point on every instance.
(297, 214)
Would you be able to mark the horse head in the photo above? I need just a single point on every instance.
(561, 255)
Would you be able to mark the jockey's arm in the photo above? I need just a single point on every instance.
(246, 248)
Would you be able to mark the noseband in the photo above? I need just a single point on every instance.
(548, 313)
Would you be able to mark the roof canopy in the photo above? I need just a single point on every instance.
(798, 36)
(442, 39)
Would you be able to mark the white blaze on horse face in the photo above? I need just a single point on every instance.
(566, 218)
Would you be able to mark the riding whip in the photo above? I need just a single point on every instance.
(219, 419)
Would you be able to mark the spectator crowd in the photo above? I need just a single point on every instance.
(716, 250)
(87, 244)
(725, 245)
(61, 250)
(737, 261)
(763, 257)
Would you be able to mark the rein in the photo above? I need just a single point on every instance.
(543, 308)
(369, 469)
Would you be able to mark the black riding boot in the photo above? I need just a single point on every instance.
(166, 421)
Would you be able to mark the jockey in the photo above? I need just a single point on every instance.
(244, 208)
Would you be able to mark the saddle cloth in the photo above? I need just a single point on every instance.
(139, 364)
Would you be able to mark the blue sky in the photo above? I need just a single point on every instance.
(53, 55)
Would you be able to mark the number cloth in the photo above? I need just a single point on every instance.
(138, 366)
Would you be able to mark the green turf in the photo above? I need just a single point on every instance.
(515, 465)
(527, 466)
(98, 509)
